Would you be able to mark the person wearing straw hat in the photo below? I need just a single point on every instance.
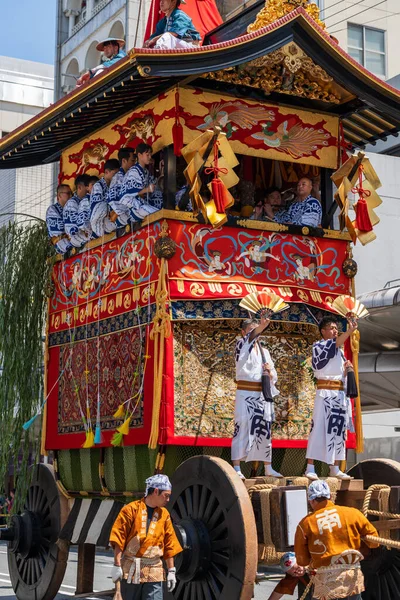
(332, 415)
(254, 413)
(328, 542)
(295, 577)
(175, 30)
(141, 537)
(113, 51)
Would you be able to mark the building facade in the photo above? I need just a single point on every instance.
(26, 88)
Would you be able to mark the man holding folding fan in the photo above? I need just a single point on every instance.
(332, 416)
(254, 410)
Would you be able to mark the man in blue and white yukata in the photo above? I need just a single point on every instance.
(305, 210)
(113, 51)
(100, 221)
(139, 191)
(253, 415)
(76, 213)
(332, 416)
(55, 221)
(175, 30)
(120, 212)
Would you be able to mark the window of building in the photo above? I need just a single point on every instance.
(367, 46)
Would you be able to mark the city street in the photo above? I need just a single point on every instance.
(104, 563)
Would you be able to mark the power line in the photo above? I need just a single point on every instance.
(356, 14)
(367, 22)
(323, 11)
(341, 11)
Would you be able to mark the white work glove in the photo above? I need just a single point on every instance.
(116, 573)
(171, 579)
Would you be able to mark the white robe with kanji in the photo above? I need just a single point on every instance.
(253, 415)
(332, 416)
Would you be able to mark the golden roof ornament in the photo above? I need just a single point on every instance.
(276, 9)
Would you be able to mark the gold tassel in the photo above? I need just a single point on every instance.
(120, 412)
(124, 428)
(89, 441)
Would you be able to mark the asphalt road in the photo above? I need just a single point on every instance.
(102, 581)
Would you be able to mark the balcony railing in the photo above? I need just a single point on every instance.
(99, 6)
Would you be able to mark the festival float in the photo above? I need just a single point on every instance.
(141, 324)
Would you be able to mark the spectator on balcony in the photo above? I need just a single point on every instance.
(113, 51)
(55, 221)
(175, 30)
(76, 213)
(120, 213)
(139, 191)
(99, 209)
(305, 210)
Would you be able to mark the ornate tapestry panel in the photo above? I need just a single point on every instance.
(204, 368)
(105, 281)
(262, 129)
(117, 379)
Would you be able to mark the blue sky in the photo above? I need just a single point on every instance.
(28, 29)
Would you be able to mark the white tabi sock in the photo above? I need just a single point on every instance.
(333, 470)
(310, 468)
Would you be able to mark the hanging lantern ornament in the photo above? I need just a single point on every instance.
(218, 189)
(363, 221)
(349, 266)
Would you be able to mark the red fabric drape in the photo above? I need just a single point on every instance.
(204, 14)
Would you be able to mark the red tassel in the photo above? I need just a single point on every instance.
(217, 188)
(363, 222)
(177, 129)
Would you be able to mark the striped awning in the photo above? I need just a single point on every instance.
(90, 522)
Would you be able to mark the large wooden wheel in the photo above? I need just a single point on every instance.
(381, 567)
(214, 521)
(36, 563)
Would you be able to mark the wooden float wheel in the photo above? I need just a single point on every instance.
(36, 563)
(381, 567)
(214, 520)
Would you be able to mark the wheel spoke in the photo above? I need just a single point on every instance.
(203, 502)
(213, 584)
(214, 517)
(179, 589)
(195, 500)
(220, 545)
(186, 593)
(220, 559)
(215, 533)
(182, 507)
(209, 508)
(36, 568)
(189, 501)
(206, 590)
(216, 571)
(198, 591)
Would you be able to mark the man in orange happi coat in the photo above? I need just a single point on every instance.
(328, 541)
(141, 537)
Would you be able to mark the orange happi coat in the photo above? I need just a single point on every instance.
(142, 551)
(328, 532)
